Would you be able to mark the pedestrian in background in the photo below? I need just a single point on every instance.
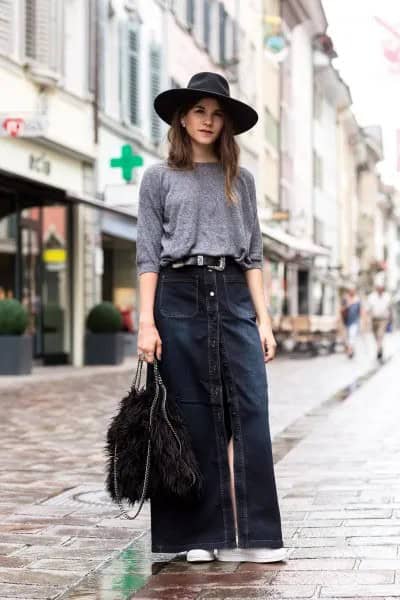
(379, 306)
(351, 315)
(204, 316)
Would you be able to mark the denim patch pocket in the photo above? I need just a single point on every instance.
(238, 297)
(179, 297)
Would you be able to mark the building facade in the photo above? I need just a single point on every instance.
(78, 128)
(45, 167)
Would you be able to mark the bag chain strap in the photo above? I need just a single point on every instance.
(159, 382)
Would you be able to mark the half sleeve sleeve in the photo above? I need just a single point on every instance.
(149, 223)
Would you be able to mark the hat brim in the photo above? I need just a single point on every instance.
(243, 116)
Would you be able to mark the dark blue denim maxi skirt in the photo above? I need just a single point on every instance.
(213, 366)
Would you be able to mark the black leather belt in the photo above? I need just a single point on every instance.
(201, 260)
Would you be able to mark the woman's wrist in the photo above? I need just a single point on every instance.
(146, 320)
(265, 319)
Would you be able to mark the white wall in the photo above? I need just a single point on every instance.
(325, 199)
(302, 92)
(75, 47)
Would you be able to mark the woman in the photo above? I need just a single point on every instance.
(204, 316)
(351, 314)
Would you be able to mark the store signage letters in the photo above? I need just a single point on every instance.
(39, 163)
(22, 125)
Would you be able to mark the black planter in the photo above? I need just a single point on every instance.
(104, 348)
(15, 354)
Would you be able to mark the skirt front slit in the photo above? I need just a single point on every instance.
(213, 366)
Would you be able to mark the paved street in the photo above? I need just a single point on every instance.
(337, 466)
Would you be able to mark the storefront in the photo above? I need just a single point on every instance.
(36, 261)
(289, 271)
(118, 243)
(42, 262)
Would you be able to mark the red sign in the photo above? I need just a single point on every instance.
(14, 127)
(22, 124)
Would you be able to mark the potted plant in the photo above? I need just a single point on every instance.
(104, 343)
(15, 347)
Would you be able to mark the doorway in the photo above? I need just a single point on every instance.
(303, 292)
(35, 268)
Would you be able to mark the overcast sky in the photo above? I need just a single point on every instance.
(373, 77)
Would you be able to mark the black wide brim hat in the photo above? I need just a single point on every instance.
(243, 116)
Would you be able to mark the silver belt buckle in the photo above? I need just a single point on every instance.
(220, 266)
(176, 265)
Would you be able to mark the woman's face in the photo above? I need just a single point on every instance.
(204, 121)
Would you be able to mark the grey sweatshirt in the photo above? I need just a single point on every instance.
(184, 213)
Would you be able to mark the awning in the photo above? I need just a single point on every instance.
(18, 193)
(290, 246)
(94, 203)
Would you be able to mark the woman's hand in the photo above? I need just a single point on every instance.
(149, 341)
(268, 342)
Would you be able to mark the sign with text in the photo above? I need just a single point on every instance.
(22, 124)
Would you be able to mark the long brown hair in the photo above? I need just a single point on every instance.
(180, 155)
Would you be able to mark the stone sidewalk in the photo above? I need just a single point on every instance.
(339, 491)
(57, 526)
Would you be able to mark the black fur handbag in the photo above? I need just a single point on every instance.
(148, 446)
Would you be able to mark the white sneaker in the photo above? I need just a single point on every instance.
(259, 555)
(200, 555)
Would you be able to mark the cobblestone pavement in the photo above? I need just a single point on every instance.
(338, 489)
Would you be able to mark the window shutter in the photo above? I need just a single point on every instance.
(155, 88)
(56, 37)
(37, 18)
(6, 26)
(221, 19)
(199, 22)
(91, 45)
(207, 24)
(101, 50)
(214, 45)
(30, 28)
(229, 51)
(190, 13)
(133, 74)
(43, 32)
(180, 11)
(123, 72)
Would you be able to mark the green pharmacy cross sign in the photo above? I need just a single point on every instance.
(127, 162)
